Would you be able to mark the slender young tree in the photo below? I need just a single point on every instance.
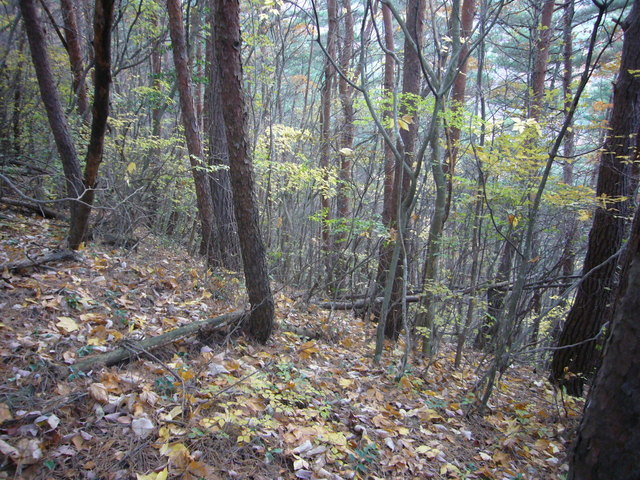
(325, 133)
(80, 188)
(191, 126)
(74, 50)
(228, 51)
(574, 363)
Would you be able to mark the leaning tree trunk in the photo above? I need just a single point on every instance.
(77, 187)
(570, 366)
(228, 51)
(608, 439)
(191, 126)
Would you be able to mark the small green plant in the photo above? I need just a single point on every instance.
(363, 458)
(164, 385)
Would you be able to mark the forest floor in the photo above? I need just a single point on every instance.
(307, 405)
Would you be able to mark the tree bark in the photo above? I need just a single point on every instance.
(228, 51)
(411, 82)
(608, 438)
(571, 366)
(72, 37)
(325, 134)
(218, 156)
(191, 126)
(346, 99)
(102, 22)
(458, 99)
(388, 87)
(77, 187)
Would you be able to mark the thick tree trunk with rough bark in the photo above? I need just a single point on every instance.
(571, 366)
(608, 439)
(228, 50)
(191, 126)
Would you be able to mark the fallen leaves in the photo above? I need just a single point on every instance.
(298, 408)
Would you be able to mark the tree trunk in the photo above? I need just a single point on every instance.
(457, 99)
(102, 22)
(218, 154)
(228, 45)
(77, 187)
(346, 99)
(72, 37)
(411, 82)
(191, 127)
(386, 247)
(608, 438)
(572, 365)
(325, 134)
(541, 59)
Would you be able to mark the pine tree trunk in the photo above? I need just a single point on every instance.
(191, 126)
(608, 438)
(571, 366)
(228, 45)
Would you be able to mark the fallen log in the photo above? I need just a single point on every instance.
(52, 257)
(41, 210)
(152, 343)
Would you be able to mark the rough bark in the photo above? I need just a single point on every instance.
(77, 187)
(571, 366)
(191, 126)
(388, 86)
(541, 58)
(228, 51)
(346, 99)
(608, 438)
(218, 157)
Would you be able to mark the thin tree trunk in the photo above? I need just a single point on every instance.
(457, 99)
(72, 37)
(77, 187)
(346, 99)
(411, 82)
(388, 209)
(228, 45)
(102, 22)
(325, 134)
(191, 126)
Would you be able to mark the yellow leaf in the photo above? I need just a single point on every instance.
(162, 475)
(402, 124)
(131, 168)
(67, 324)
(336, 438)
(345, 382)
